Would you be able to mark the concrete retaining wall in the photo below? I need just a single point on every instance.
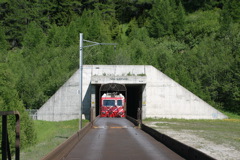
(168, 99)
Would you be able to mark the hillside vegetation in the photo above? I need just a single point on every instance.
(196, 43)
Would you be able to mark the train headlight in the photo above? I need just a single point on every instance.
(103, 112)
(120, 113)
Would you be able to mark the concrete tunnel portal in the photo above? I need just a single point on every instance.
(148, 88)
(133, 94)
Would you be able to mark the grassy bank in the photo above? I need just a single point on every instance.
(219, 132)
(49, 136)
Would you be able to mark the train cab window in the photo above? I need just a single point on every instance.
(108, 103)
(119, 102)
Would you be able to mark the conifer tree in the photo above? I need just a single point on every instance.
(9, 101)
(180, 18)
(162, 17)
(3, 42)
(33, 36)
(15, 19)
(234, 9)
(225, 19)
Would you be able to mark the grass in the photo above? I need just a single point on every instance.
(231, 115)
(225, 131)
(49, 136)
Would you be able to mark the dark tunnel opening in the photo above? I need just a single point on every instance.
(134, 98)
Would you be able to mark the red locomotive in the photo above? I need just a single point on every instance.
(112, 105)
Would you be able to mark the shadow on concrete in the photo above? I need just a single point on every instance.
(86, 101)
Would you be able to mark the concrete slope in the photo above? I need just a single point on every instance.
(168, 99)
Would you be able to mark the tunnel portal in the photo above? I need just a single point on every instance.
(148, 88)
(133, 93)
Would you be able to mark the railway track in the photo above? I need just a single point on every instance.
(119, 138)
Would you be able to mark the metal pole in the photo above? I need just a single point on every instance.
(80, 78)
(4, 137)
(81, 70)
(17, 144)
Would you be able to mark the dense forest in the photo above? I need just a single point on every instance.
(195, 42)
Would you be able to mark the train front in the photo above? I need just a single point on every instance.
(112, 105)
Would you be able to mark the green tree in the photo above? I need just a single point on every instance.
(60, 12)
(199, 25)
(195, 5)
(57, 36)
(3, 42)
(13, 19)
(180, 20)
(93, 27)
(162, 17)
(9, 100)
(233, 7)
(225, 19)
(33, 36)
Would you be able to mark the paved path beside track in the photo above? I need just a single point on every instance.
(119, 139)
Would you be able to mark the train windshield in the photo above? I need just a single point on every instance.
(119, 102)
(108, 102)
